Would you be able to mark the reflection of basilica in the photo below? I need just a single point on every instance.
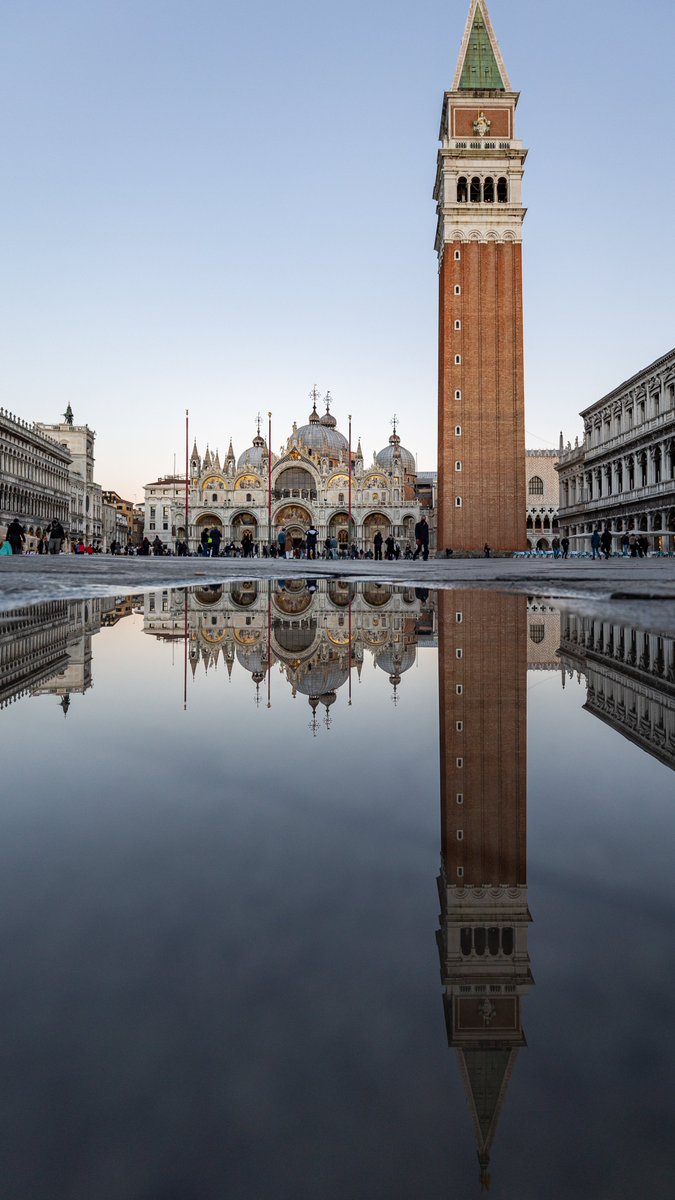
(316, 633)
(484, 919)
(630, 679)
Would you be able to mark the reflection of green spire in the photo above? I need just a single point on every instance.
(480, 68)
(65, 704)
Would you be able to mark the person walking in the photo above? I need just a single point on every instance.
(564, 546)
(56, 537)
(555, 546)
(281, 539)
(204, 542)
(422, 539)
(215, 542)
(643, 545)
(606, 542)
(16, 536)
(625, 543)
(377, 543)
(312, 535)
(632, 542)
(595, 543)
(487, 550)
(389, 543)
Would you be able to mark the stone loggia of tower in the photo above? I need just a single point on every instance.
(481, 410)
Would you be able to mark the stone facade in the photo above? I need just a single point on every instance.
(622, 476)
(542, 486)
(34, 478)
(310, 485)
(481, 422)
(85, 519)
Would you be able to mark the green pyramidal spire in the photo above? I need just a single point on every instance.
(480, 64)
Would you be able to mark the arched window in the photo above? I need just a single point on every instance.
(474, 195)
(489, 190)
(536, 486)
(502, 190)
(537, 632)
(462, 190)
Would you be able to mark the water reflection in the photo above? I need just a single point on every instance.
(482, 940)
(207, 886)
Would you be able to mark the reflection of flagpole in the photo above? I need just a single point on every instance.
(350, 644)
(269, 480)
(269, 643)
(185, 657)
(349, 535)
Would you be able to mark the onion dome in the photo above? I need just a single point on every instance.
(256, 454)
(321, 679)
(393, 451)
(321, 435)
(395, 661)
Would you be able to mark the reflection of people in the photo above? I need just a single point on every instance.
(377, 543)
(422, 539)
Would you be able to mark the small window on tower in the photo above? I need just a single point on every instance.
(460, 835)
(458, 430)
(459, 762)
(459, 653)
(458, 255)
(458, 395)
(458, 464)
(459, 726)
(459, 689)
(458, 324)
(458, 501)
(502, 191)
(461, 190)
(459, 617)
(458, 290)
(460, 797)
(458, 360)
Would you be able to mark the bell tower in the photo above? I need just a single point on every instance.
(481, 407)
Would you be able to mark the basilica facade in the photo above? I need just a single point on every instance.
(310, 482)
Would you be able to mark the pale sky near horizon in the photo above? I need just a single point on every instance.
(214, 206)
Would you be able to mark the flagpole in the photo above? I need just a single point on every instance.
(349, 535)
(269, 480)
(187, 459)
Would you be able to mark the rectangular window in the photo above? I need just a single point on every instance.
(460, 797)
(460, 835)
(459, 617)
(458, 360)
(458, 465)
(459, 726)
(458, 395)
(459, 762)
(153, 513)
(459, 688)
(459, 653)
(152, 524)
(458, 255)
(460, 872)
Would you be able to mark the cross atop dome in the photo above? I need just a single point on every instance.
(480, 66)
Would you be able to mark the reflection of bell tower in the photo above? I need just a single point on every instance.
(482, 938)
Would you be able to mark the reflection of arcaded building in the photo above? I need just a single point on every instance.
(314, 634)
(483, 882)
(46, 649)
(630, 679)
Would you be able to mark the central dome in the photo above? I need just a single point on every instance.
(255, 455)
(322, 436)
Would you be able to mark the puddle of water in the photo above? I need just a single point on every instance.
(244, 828)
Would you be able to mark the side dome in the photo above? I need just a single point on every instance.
(255, 455)
(394, 450)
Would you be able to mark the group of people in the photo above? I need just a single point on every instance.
(49, 542)
(633, 545)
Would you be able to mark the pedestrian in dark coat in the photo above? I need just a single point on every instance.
(422, 539)
(377, 543)
(16, 536)
(606, 542)
(215, 542)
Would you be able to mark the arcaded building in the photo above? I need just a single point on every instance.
(621, 477)
(481, 422)
(34, 477)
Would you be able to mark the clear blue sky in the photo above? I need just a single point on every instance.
(215, 205)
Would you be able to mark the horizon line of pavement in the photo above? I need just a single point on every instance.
(29, 579)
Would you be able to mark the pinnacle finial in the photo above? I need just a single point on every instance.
(328, 401)
(394, 423)
(314, 396)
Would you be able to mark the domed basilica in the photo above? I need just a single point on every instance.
(310, 485)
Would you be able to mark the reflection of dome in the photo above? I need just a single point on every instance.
(322, 436)
(394, 661)
(251, 658)
(255, 455)
(320, 679)
(386, 457)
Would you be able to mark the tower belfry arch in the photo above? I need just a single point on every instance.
(481, 406)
